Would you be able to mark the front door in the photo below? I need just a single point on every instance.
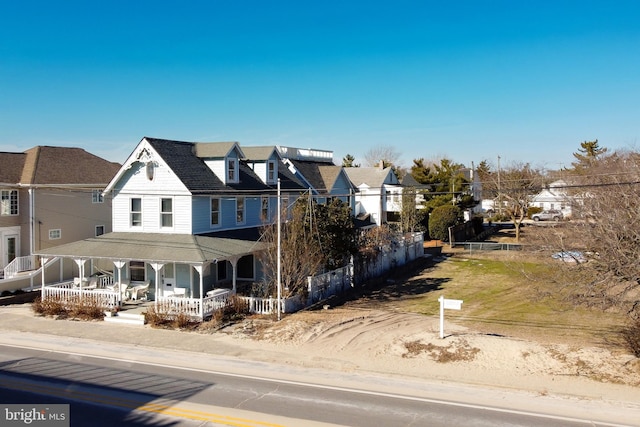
(168, 277)
(10, 249)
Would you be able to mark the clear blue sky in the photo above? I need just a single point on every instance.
(469, 80)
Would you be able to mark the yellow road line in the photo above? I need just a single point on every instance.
(158, 408)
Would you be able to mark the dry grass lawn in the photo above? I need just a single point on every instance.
(514, 294)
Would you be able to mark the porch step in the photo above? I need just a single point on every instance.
(126, 318)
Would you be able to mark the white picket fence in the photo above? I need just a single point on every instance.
(323, 286)
(67, 292)
(192, 306)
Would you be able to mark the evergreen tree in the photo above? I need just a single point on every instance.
(348, 161)
(587, 154)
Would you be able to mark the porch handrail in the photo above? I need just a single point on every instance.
(19, 264)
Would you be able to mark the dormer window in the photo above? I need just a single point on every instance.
(232, 170)
(271, 171)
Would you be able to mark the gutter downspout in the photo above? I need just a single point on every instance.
(32, 222)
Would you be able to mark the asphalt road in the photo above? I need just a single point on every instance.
(115, 390)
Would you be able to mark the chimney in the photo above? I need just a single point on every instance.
(381, 164)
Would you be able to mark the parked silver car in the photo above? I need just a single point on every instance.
(549, 215)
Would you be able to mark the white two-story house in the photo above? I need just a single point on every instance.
(378, 195)
(186, 216)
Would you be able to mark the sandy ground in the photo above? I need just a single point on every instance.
(375, 341)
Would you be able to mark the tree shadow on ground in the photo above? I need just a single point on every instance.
(409, 282)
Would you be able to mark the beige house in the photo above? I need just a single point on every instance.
(49, 196)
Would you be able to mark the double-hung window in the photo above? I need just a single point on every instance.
(166, 212)
(136, 271)
(135, 211)
(96, 196)
(215, 211)
(271, 171)
(232, 170)
(264, 212)
(240, 210)
(9, 202)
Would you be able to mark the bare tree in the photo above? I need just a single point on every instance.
(388, 155)
(608, 222)
(301, 254)
(515, 186)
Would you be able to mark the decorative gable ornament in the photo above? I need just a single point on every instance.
(150, 169)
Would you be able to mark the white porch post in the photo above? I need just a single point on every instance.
(43, 261)
(156, 267)
(199, 269)
(80, 263)
(234, 265)
(118, 265)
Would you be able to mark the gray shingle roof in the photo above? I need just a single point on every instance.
(158, 247)
(372, 176)
(11, 166)
(183, 158)
(56, 165)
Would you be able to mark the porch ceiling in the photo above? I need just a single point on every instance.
(183, 248)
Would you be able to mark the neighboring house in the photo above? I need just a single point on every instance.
(315, 169)
(378, 194)
(474, 188)
(186, 219)
(554, 197)
(50, 196)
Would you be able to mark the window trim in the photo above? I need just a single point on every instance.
(6, 196)
(168, 214)
(137, 267)
(271, 173)
(265, 211)
(232, 170)
(218, 211)
(53, 232)
(97, 196)
(241, 214)
(132, 213)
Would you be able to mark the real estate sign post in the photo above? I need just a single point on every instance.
(448, 304)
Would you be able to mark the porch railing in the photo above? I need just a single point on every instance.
(260, 305)
(66, 292)
(191, 306)
(19, 264)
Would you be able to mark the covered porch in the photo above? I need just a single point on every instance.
(176, 272)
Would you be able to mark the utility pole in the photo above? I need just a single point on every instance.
(279, 278)
(499, 190)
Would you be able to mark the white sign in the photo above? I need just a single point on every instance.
(452, 304)
(449, 304)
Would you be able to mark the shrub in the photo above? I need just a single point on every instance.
(86, 310)
(48, 307)
(160, 316)
(157, 317)
(77, 309)
(441, 219)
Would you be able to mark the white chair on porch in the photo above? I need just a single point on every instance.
(140, 291)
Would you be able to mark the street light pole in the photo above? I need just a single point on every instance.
(279, 278)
